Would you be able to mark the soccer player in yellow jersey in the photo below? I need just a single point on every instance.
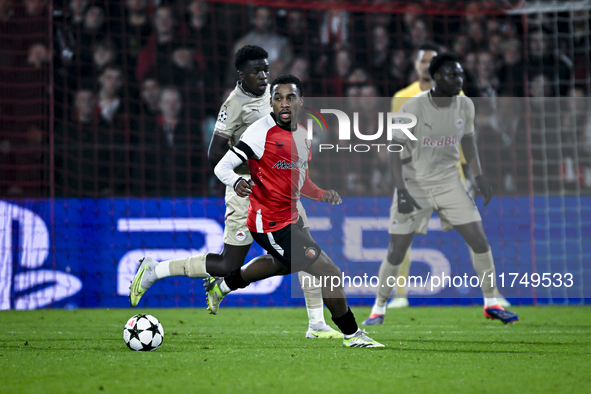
(388, 269)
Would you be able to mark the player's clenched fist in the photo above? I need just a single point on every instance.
(332, 197)
(243, 187)
(406, 203)
(485, 188)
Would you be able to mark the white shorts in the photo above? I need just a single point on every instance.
(235, 230)
(451, 201)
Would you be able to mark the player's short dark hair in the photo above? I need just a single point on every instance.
(288, 79)
(247, 53)
(429, 46)
(440, 60)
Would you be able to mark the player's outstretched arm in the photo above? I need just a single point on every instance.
(218, 146)
(473, 160)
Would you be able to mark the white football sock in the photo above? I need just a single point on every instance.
(378, 309)
(485, 268)
(162, 269)
(352, 335)
(192, 267)
(315, 316)
(488, 302)
(385, 286)
(313, 296)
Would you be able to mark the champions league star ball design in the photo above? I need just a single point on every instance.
(143, 333)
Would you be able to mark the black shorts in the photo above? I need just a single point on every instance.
(290, 246)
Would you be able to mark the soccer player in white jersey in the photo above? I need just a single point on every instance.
(277, 150)
(247, 103)
(425, 53)
(426, 178)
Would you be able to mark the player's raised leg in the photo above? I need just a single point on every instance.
(287, 242)
(484, 266)
(151, 270)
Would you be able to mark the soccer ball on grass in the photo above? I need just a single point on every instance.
(143, 333)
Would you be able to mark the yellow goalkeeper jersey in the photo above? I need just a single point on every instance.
(402, 96)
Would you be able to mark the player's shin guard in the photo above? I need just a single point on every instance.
(313, 296)
(192, 267)
(346, 323)
(485, 268)
(404, 270)
(387, 281)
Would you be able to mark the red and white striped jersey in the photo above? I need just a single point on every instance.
(278, 163)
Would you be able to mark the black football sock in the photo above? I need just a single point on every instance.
(234, 280)
(346, 323)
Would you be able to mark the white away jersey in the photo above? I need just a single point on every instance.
(240, 110)
(439, 131)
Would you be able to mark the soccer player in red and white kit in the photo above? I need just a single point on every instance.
(277, 151)
(247, 103)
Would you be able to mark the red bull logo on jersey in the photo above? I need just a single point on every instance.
(443, 141)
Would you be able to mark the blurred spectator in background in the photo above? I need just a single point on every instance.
(462, 45)
(300, 67)
(544, 120)
(544, 59)
(399, 71)
(419, 33)
(85, 107)
(334, 28)
(90, 158)
(580, 42)
(297, 30)
(342, 65)
(94, 22)
(379, 59)
(104, 54)
(77, 10)
(494, 48)
(38, 55)
(358, 76)
(143, 136)
(150, 95)
(511, 73)
(540, 86)
(109, 102)
(471, 75)
(174, 152)
(477, 36)
(35, 7)
(486, 76)
(209, 42)
(134, 30)
(156, 54)
(263, 35)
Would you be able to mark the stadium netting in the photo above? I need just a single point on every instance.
(111, 99)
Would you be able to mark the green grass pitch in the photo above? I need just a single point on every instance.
(261, 350)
